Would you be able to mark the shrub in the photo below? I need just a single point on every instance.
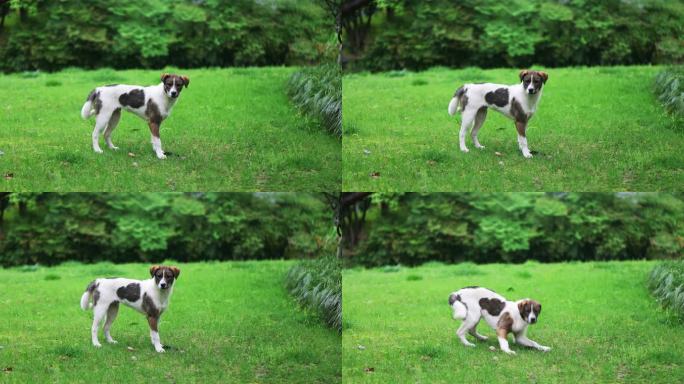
(317, 285)
(669, 89)
(666, 283)
(317, 92)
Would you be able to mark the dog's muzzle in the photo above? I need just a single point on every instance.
(531, 91)
(163, 286)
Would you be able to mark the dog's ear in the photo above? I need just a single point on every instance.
(524, 307)
(176, 271)
(523, 73)
(153, 269)
(186, 80)
(544, 76)
(164, 76)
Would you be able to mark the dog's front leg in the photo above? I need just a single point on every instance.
(154, 333)
(524, 341)
(521, 127)
(502, 334)
(156, 140)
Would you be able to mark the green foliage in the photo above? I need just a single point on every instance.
(669, 89)
(154, 33)
(420, 34)
(317, 92)
(515, 227)
(317, 285)
(666, 283)
(50, 228)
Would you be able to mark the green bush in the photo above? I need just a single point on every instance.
(666, 283)
(410, 228)
(156, 33)
(50, 228)
(317, 92)
(669, 88)
(417, 34)
(317, 285)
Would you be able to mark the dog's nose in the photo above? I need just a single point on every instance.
(163, 285)
(174, 94)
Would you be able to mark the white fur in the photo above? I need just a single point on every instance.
(472, 117)
(108, 118)
(468, 309)
(108, 295)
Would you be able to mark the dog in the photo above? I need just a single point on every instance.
(517, 102)
(470, 304)
(149, 297)
(153, 104)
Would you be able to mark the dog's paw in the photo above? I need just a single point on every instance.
(98, 150)
(97, 345)
(160, 349)
(469, 344)
(161, 156)
(527, 155)
(478, 146)
(465, 150)
(510, 352)
(112, 341)
(543, 348)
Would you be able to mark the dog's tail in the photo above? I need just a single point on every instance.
(85, 298)
(87, 109)
(460, 310)
(456, 100)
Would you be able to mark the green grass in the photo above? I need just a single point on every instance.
(596, 129)
(231, 130)
(598, 318)
(227, 322)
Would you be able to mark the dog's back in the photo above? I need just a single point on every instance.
(468, 299)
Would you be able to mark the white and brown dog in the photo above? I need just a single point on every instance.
(149, 297)
(517, 102)
(470, 304)
(152, 103)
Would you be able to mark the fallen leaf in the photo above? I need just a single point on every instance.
(491, 348)
(130, 348)
(500, 162)
(131, 154)
(9, 176)
(498, 153)
(366, 152)
(135, 163)
(361, 347)
(431, 162)
(375, 174)
(134, 358)
(7, 369)
(369, 369)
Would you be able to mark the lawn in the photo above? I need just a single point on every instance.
(231, 130)
(227, 322)
(598, 318)
(596, 129)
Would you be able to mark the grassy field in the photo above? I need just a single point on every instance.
(231, 130)
(596, 129)
(598, 318)
(227, 322)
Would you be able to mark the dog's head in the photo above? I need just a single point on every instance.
(173, 84)
(529, 310)
(533, 81)
(164, 276)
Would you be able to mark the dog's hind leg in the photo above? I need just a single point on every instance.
(467, 117)
(111, 126)
(112, 311)
(473, 332)
(100, 125)
(479, 120)
(99, 312)
(470, 322)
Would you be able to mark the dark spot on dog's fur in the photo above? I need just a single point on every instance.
(91, 286)
(493, 306)
(113, 306)
(470, 287)
(498, 97)
(152, 113)
(454, 298)
(133, 99)
(96, 296)
(131, 292)
(111, 85)
(505, 323)
(518, 112)
(94, 98)
(149, 308)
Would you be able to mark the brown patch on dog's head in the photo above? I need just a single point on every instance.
(173, 84)
(523, 73)
(533, 81)
(175, 270)
(164, 276)
(529, 310)
(153, 269)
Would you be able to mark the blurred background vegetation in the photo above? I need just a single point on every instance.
(412, 228)
(49, 228)
(50, 35)
(415, 34)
